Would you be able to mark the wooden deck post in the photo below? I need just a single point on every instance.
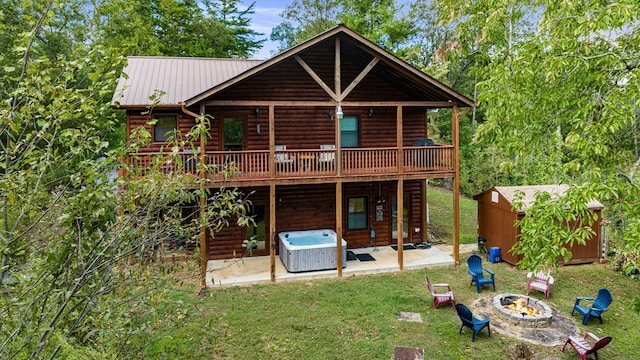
(456, 184)
(424, 209)
(339, 227)
(272, 231)
(400, 190)
(400, 222)
(203, 203)
(272, 141)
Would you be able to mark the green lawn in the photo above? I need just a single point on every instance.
(356, 317)
(441, 216)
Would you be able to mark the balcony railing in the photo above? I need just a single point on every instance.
(256, 164)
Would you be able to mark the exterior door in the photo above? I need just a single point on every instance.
(259, 231)
(405, 216)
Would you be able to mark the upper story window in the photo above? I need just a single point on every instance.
(234, 133)
(165, 127)
(349, 131)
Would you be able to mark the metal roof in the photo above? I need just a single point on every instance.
(530, 191)
(181, 78)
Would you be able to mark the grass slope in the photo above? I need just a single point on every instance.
(441, 216)
(356, 317)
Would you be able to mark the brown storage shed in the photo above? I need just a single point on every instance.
(496, 221)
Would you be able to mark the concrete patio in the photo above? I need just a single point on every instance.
(253, 270)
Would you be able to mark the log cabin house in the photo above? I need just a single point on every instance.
(322, 134)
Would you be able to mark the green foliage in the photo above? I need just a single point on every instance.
(176, 28)
(303, 19)
(376, 20)
(551, 222)
(557, 83)
(73, 238)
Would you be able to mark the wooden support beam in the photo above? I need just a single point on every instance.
(424, 209)
(399, 139)
(272, 141)
(358, 78)
(339, 227)
(337, 72)
(456, 184)
(309, 103)
(272, 231)
(315, 77)
(400, 222)
(203, 203)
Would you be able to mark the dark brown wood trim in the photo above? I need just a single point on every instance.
(294, 103)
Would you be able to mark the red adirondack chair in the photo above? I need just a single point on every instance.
(584, 347)
(441, 297)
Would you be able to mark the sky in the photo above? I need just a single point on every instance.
(265, 18)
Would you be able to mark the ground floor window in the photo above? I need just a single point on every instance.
(357, 213)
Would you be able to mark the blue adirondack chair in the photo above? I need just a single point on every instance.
(477, 272)
(468, 320)
(600, 304)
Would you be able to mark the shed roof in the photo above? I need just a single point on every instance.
(180, 78)
(509, 193)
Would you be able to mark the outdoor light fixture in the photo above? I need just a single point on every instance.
(339, 113)
(331, 114)
(257, 113)
(370, 112)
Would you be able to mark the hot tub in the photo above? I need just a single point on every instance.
(310, 250)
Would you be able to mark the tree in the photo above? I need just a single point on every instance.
(558, 91)
(176, 28)
(378, 21)
(75, 243)
(304, 19)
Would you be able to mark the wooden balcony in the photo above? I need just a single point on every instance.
(318, 164)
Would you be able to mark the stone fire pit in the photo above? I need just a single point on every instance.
(522, 310)
(551, 329)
